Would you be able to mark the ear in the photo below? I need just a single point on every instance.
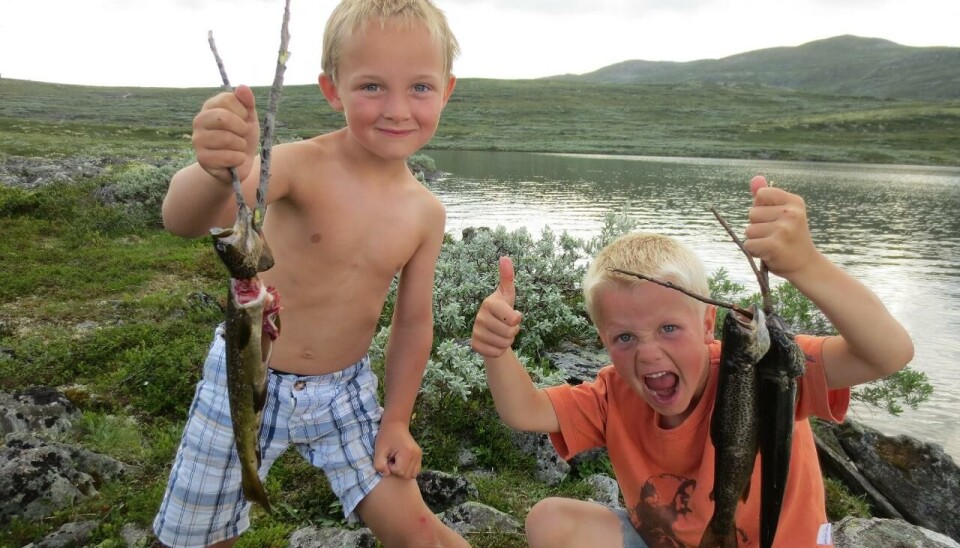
(330, 92)
(451, 83)
(709, 322)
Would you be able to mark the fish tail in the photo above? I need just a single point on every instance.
(254, 491)
(714, 539)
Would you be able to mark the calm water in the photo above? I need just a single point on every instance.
(896, 228)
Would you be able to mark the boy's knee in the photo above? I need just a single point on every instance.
(545, 522)
(427, 530)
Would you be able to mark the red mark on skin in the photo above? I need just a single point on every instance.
(315, 239)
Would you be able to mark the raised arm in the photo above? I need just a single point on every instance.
(225, 135)
(871, 344)
(519, 403)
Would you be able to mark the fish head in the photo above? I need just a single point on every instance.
(242, 247)
(747, 335)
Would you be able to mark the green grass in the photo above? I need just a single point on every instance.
(705, 120)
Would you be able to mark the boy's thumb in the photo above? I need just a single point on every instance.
(245, 95)
(506, 287)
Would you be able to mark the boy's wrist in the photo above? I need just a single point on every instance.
(393, 420)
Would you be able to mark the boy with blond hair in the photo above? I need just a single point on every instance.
(345, 217)
(652, 408)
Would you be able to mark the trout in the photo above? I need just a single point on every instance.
(778, 371)
(252, 310)
(734, 424)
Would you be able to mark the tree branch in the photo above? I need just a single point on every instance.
(676, 287)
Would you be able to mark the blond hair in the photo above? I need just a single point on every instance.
(351, 15)
(654, 255)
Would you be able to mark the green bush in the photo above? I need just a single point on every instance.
(139, 190)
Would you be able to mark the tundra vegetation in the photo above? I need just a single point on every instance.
(100, 302)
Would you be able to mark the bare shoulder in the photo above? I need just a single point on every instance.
(424, 209)
(290, 163)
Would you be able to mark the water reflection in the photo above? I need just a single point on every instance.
(897, 228)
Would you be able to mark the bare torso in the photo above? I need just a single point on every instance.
(338, 239)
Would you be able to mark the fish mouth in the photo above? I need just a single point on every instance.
(663, 385)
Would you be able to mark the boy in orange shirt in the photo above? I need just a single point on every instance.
(651, 409)
(345, 217)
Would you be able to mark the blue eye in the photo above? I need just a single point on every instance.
(421, 88)
(670, 328)
(624, 337)
(370, 87)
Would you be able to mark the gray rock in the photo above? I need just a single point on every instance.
(551, 469)
(835, 464)
(579, 364)
(467, 458)
(67, 536)
(919, 479)
(39, 410)
(441, 490)
(35, 172)
(471, 517)
(135, 536)
(851, 532)
(332, 537)
(38, 477)
(606, 490)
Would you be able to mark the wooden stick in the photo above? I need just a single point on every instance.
(269, 121)
(676, 287)
(235, 180)
(762, 277)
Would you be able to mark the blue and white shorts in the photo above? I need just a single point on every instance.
(331, 419)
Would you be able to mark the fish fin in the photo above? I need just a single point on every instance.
(711, 539)
(259, 397)
(253, 491)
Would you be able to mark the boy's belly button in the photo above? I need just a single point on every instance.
(307, 355)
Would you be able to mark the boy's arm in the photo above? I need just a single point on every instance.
(871, 344)
(408, 349)
(225, 134)
(519, 403)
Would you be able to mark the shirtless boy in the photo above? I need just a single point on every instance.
(344, 217)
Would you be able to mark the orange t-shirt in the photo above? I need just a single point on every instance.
(666, 476)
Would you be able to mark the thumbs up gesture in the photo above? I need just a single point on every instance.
(497, 323)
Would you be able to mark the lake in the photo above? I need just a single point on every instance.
(896, 228)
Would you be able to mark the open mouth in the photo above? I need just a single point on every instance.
(662, 385)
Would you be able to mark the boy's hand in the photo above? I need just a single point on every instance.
(396, 453)
(778, 232)
(497, 323)
(226, 134)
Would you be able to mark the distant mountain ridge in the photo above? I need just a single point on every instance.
(842, 65)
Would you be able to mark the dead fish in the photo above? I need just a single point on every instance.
(734, 424)
(252, 310)
(778, 371)
(242, 247)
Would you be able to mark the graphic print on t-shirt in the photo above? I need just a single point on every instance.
(664, 499)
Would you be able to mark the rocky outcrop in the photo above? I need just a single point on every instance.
(851, 532)
(916, 480)
(39, 475)
(30, 173)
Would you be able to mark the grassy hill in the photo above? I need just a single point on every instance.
(842, 65)
(687, 119)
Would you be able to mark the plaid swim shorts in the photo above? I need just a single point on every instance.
(331, 419)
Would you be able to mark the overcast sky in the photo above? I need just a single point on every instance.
(163, 42)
